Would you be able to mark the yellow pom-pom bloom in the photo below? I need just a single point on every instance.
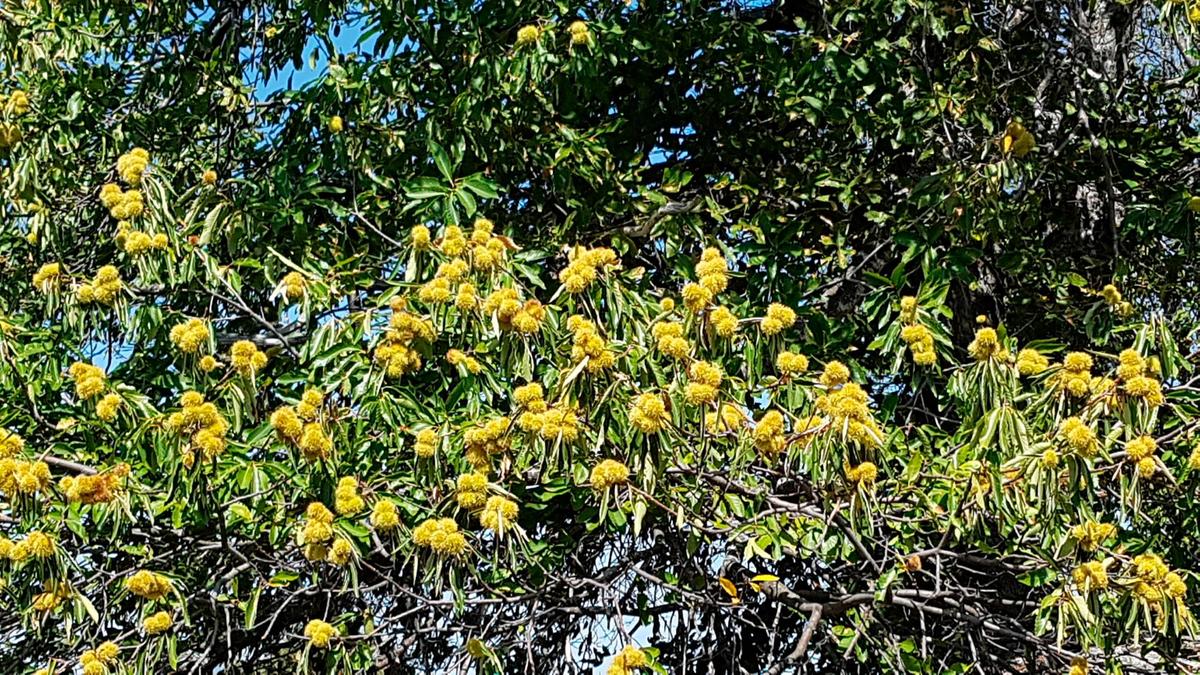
(319, 633)
(1079, 436)
(157, 623)
(528, 35)
(384, 516)
(835, 374)
(1140, 448)
(609, 473)
(107, 407)
(791, 363)
(148, 585)
(648, 413)
(779, 318)
(190, 336)
(499, 514)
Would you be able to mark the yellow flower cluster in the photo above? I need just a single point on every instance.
(34, 545)
(1141, 451)
(669, 340)
(530, 400)
(791, 363)
(723, 321)
(835, 374)
(191, 336)
(157, 623)
(135, 242)
(1091, 535)
(986, 345)
(487, 252)
(454, 241)
(580, 34)
(341, 553)
(427, 443)
(1111, 295)
(769, 434)
(524, 318)
(384, 515)
(499, 514)
(108, 407)
(47, 278)
(317, 532)
(148, 585)
(209, 177)
(16, 103)
(1075, 378)
(1137, 378)
(300, 425)
(90, 380)
(293, 285)
(1154, 580)
(202, 424)
(471, 490)
(440, 535)
(395, 351)
(10, 443)
(347, 500)
(727, 418)
(132, 165)
(609, 473)
(456, 357)
(103, 288)
(21, 477)
(704, 384)
(1030, 362)
(864, 474)
(438, 290)
(54, 594)
(1090, 576)
(1080, 437)
(98, 661)
(528, 35)
(484, 440)
(713, 272)
(420, 237)
(648, 413)
(778, 319)
(628, 659)
(319, 633)
(122, 204)
(914, 334)
(848, 412)
(584, 266)
(1079, 666)
(1017, 141)
(559, 422)
(98, 489)
(920, 344)
(247, 360)
(588, 344)
(1049, 459)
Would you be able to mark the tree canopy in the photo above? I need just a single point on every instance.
(695, 337)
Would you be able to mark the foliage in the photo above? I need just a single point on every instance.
(668, 337)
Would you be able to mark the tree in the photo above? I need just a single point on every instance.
(674, 337)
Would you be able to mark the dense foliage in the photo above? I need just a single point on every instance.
(675, 337)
